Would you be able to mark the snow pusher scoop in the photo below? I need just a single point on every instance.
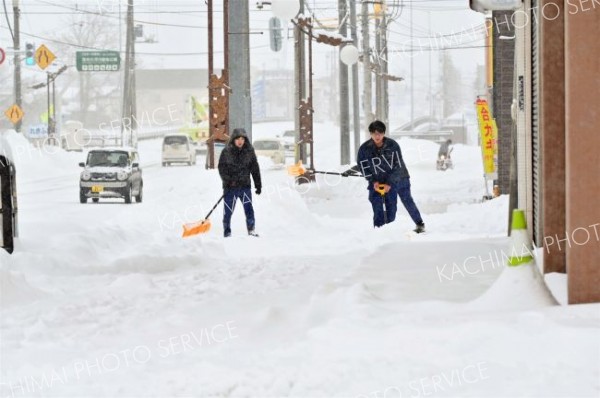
(381, 190)
(297, 170)
(200, 227)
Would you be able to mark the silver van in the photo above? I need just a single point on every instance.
(178, 148)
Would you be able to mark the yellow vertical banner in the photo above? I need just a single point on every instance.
(489, 139)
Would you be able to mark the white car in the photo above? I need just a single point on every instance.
(289, 140)
(111, 173)
(178, 148)
(271, 148)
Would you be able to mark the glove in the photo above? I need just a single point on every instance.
(258, 190)
(345, 174)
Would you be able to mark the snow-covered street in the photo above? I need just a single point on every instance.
(106, 299)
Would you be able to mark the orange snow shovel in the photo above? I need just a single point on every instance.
(200, 227)
(296, 169)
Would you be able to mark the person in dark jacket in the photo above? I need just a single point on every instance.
(236, 163)
(380, 160)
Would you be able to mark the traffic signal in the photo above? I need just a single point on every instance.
(29, 53)
(275, 33)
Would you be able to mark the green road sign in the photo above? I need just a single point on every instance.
(98, 61)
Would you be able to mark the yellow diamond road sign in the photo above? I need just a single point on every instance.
(14, 114)
(44, 57)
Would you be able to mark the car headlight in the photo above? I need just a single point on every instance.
(122, 175)
(86, 175)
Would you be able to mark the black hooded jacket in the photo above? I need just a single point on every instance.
(236, 164)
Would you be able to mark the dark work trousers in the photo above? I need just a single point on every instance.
(379, 217)
(403, 188)
(230, 199)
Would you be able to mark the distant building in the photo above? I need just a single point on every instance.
(163, 95)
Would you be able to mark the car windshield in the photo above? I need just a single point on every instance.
(175, 140)
(107, 159)
(266, 145)
(289, 133)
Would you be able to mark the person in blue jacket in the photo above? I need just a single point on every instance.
(380, 161)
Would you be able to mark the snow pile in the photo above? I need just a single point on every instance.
(517, 288)
(107, 299)
(14, 287)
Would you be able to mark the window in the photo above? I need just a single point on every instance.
(175, 140)
(266, 145)
(107, 159)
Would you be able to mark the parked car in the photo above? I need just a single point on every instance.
(111, 173)
(178, 148)
(8, 197)
(271, 148)
(201, 147)
(289, 140)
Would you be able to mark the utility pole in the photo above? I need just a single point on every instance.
(238, 36)
(378, 68)
(344, 103)
(299, 79)
(430, 92)
(412, 73)
(385, 100)
(51, 105)
(366, 46)
(355, 96)
(218, 87)
(17, 60)
(129, 97)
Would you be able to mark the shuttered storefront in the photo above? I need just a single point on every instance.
(535, 128)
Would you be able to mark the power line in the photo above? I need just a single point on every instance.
(436, 49)
(47, 39)
(115, 17)
(8, 21)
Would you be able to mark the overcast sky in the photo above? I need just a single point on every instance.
(180, 27)
(180, 30)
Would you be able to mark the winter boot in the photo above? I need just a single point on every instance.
(252, 232)
(420, 228)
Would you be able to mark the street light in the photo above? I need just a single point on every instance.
(349, 54)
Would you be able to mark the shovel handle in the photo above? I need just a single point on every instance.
(214, 207)
(335, 173)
